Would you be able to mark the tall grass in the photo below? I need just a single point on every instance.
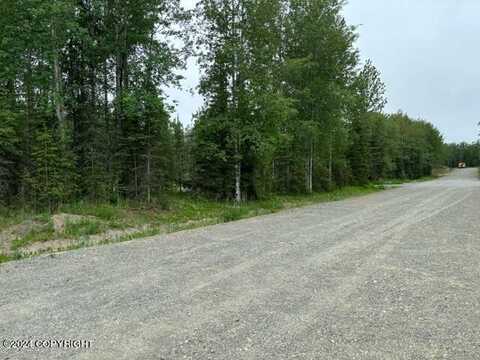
(184, 212)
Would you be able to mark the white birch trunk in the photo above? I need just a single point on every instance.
(238, 175)
(57, 76)
(149, 176)
(330, 165)
(309, 170)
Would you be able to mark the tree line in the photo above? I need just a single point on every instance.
(463, 152)
(289, 107)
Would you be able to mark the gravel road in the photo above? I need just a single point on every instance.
(392, 275)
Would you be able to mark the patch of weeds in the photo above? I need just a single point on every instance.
(173, 227)
(271, 205)
(185, 211)
(400, 181)
(10, 217)
(118, 224)
(136, 235)
(42, 217)
(84, 227)
(352, 191)
(38, 235)
(162, 202)
(106, 212)
(5, 258)
(17, 255)
(102, 211)
(234, 213)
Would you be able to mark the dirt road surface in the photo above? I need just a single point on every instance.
(393, 275)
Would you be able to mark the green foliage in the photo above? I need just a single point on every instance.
(289, 108)
(44, 234)
(103, 211)
(186, 212)
(468, 153)
(310, 120)
(84, 228)
(4, 258)
(232, 214)
(51, 177)
(9, 155)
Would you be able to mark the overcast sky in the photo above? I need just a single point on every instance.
(427, 51)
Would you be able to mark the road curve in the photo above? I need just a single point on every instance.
(392, 275)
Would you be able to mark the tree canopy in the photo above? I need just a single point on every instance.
(289, 107)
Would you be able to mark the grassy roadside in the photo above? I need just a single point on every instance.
(175, 212)
(178, 212)
(436, 174)
(405, 181)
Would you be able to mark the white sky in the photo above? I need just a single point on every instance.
(426, 50)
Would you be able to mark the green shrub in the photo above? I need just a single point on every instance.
(162, 202)
(103, 211)
(232, 214)
(85, 227)
(4, 258)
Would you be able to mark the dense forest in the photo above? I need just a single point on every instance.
(289, 106)
(463, 152)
